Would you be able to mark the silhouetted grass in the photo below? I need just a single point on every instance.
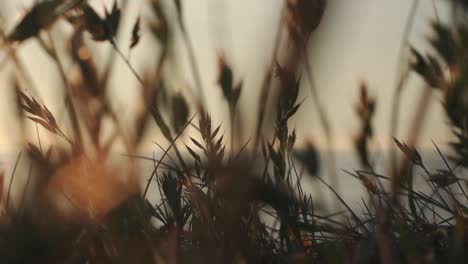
(221, 202)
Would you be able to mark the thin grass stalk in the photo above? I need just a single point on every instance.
(38, 137)
(166, 165)
(176, 168)
(232, 116)
(415, 131)
(411, 200)
(20, 67)
(267, 163)
(164, 155)
(26, 187)
(451, 170)
(22, 71)
(126, 61)
(238, 155)
(356, 218)
(112, 57)
(325, 124)
(266, 85)
(436, 10)
(135, 74)
(10, 185)
(49, 52)
(194, 66)
(400, 80)
(155, 107)
(68, 97)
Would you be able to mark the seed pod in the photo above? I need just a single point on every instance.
(180, 112)
(304, 16)
(289, 87)
(231, 91)
(39, 17)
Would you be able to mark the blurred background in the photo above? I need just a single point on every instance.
(357, 41)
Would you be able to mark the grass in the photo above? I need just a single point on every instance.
(219, 200)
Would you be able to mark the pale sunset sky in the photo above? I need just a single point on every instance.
(357, 40)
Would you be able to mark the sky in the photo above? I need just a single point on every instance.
(357, 40)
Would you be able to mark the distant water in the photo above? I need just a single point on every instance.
(350, 188)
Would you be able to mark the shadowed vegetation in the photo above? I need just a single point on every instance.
(211, 198)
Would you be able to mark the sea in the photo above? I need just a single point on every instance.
(349, 188)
